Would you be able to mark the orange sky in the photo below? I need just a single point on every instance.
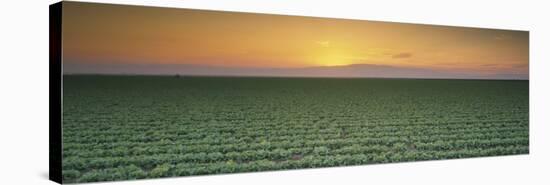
(99, 34)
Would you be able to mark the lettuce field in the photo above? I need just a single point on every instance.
(134, 127)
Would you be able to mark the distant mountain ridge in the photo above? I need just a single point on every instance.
(351, 71)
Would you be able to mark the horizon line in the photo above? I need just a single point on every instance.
(302, 77)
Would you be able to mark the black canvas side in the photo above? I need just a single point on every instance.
(55, 80)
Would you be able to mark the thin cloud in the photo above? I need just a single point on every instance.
(324, 43)
(402, 55)
(526, 65)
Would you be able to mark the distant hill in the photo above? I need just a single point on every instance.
(352, 71)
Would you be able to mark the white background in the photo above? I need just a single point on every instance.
(24, 91)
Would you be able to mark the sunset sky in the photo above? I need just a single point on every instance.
(107, 35)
